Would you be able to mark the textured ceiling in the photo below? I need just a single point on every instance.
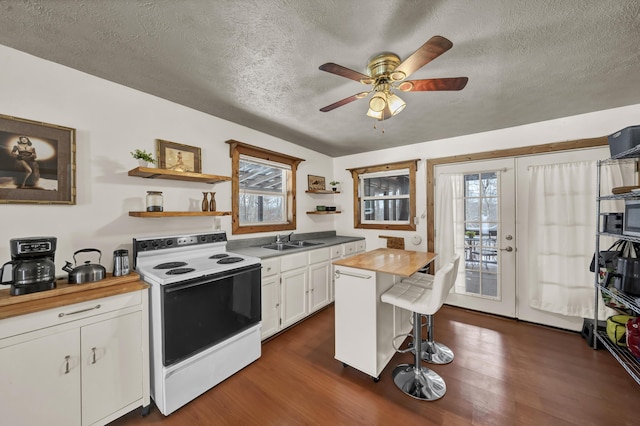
(255, 62)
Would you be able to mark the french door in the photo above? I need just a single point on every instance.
(492, 223)
(485, 234)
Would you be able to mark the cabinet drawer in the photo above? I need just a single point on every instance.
(336, 251)
(270, 267)
(293, 261)
(361, 246)
(319, 255)
(349, 249)
(64, 314)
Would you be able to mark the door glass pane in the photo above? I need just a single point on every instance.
(482, 205)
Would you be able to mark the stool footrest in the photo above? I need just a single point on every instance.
(396, 348)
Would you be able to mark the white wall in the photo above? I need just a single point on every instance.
(111, 120)
(570, 128)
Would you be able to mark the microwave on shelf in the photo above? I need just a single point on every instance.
(631, 218)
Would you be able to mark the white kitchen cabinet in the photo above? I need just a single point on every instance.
(340, 252)
(41, 381)
(319, 279)
(298, 284)
(365, 326)
(108, 350)
(78, 364)
(294, 285)
(270, 297)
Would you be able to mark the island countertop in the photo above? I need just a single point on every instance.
(392, 261)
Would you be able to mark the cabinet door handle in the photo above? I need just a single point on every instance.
(66, 361)
(349, 274)
(93, 360)
(62, 314)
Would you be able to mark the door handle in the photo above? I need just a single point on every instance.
(508, 248)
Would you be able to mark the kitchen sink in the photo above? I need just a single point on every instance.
(302, 244)
(279, 246)
(290, 245)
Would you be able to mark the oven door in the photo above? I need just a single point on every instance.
(199, 313)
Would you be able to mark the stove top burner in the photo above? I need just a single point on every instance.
(230, 260)
(180, 271)
(219, 256)
(170, 265)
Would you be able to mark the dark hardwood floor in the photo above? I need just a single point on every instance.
(505, 372)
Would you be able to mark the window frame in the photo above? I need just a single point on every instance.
(357, 173)
(239, 148)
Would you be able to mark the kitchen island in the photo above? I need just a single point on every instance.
(365, 326)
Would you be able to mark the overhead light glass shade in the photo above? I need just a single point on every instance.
(395, 103)
(374, 114)
(378, 102)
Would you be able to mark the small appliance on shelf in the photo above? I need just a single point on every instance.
(32, 265)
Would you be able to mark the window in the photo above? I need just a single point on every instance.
(385, 196)
(263, 188)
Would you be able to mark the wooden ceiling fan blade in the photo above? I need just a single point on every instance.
(429, 51)
(342, 102)
(344, 72)
(433, 84)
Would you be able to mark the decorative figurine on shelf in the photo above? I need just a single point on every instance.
(334, 185)
(212, 203)
(205, 202)
(143, 157)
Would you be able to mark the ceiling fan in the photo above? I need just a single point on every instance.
(385, 72)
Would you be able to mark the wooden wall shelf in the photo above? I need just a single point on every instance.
(152, 173)
(177, 214)
(321, 191)
(325, 212)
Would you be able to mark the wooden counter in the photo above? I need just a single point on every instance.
(391, 261)
(67, 294)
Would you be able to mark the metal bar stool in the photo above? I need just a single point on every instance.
(432, 351)
(414, 379)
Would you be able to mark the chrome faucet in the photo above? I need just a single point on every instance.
(281, 238)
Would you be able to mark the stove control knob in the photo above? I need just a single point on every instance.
(144, 245)
(169, 242)
(155, 244)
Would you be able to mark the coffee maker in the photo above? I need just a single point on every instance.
(32, 265)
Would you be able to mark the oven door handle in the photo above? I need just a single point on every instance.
(170, 288)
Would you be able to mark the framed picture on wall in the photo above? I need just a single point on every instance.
(178, 157)
(316, 183)
(37, 162)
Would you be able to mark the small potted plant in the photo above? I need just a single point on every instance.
(470, 234)
(334, 185)
(143, 157)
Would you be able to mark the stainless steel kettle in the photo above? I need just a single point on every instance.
(87, 272)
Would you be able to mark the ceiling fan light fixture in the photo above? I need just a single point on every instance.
(378, 102)
(375, 114)
(396, 104)
(362, 95)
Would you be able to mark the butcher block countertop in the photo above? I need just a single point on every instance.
(391, 261)
(67, 294)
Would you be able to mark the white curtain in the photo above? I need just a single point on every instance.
(449, 220)
(561, 225)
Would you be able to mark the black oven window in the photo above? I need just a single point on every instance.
(203, 312)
